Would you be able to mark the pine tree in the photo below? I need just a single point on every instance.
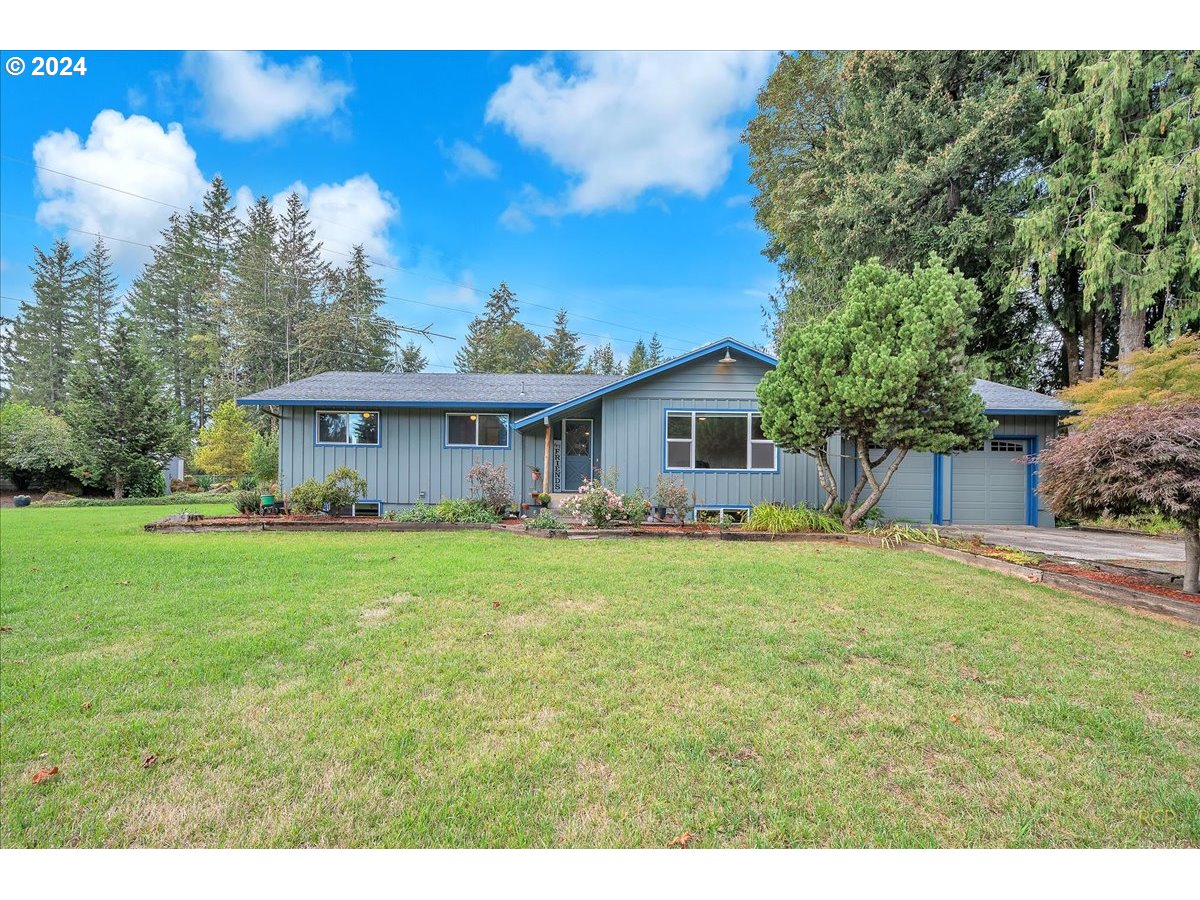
(496, 341)
(639, 359)
(216, 229)
(303, 278)
(121, 419)
(350, 330)
(98, 294)
(564, 350)
(256, 301)
(45, 333)
(655, 351)
(1117, 193)
(602, 361)
(412, 360)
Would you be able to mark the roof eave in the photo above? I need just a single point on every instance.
(391, 404)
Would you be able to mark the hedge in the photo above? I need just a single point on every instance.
(179, 499)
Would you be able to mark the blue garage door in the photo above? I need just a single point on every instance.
(990, 486)
(909, 494)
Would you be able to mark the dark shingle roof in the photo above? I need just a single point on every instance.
(426, 387)
(998, 396)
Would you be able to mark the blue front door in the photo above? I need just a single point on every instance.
(577, 453)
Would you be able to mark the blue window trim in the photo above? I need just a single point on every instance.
(446, 445)
(713, 411)
(317, 442)
(714, 347)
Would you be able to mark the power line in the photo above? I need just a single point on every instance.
(379, 263)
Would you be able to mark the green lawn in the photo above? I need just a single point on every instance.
(480, 689)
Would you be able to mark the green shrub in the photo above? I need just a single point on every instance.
(146, 480)
(343, 488)
(418, 512)
(169, 500)
(545, 521)
(246, 502)
(308, 497)
(467, 511)
(791, 520)
(264, 458)
(544, 499)
(205, 482)
(635, 506)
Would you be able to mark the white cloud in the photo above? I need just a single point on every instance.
(469, 161)
(625, 123)
(519, 214)
(245, 95)
(132, 154)
(356, 211)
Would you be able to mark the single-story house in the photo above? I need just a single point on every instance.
(415, 436)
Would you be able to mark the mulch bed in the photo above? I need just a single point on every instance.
(1125, 581)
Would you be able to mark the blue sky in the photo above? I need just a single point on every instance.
(612, 184)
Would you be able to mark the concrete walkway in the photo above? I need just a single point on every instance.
(1095, 546)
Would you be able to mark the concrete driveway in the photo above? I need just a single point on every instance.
(1094, 546)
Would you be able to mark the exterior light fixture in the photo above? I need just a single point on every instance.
(726, 359)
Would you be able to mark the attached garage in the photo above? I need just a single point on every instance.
(993, 485)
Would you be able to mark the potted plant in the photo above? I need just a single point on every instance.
(268, 496)
(544, 500)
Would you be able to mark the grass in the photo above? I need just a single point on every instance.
(480, 689)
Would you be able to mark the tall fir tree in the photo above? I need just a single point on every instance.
(45, 333)
(602, 361)
(654, 352)
(564, 351)
(98, 294)
(352, 322)
(257, 301)
(412, 360)
(303, 278)
(1116, 195)
(216, 228)
(497, 342)
(897, 154)
(122, 420)
(639, 359)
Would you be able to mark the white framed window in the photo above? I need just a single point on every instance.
(1003, 446)
(368, 508)
(469, 429)
(722, 515)
(341, 427)
(722, 440)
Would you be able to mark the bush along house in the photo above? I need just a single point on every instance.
(413, 437)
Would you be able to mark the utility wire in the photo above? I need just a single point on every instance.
(381, 264)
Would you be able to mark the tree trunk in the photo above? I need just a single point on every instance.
(118, 488)
(1070, 339)
(1191, 560)
(1132, 336)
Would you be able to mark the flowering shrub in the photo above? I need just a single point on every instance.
(673, 494)
(600, 505)
(489, 485)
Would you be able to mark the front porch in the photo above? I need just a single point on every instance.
(564, 452)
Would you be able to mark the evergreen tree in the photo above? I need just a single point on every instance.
(257, 301)
(639, 359)
(45, 333)
(348, 330)
(98, 294)
(412, 360)
(564, 350)
(603, 361)
(496, 341)
(216, 229)
(655, 351)
(121, 419)
(898, 154)
(303, 279)
(1117, 193)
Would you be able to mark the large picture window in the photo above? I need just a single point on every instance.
(476, 430)
(731, 441)
(345, 427)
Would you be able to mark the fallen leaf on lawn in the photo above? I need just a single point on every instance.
(495, 604)
(954, 719)
(35, 569)
(684, 840)
(126, 581)
(348, 680)
(17, 662)
(487, 634)
(1187, 654)
(5, 629)
(391, 557)
(148, 760)
(44, 774)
